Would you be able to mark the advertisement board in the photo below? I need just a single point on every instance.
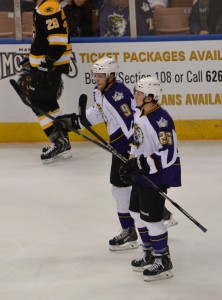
(189, 70)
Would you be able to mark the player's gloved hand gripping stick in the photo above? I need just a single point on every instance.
(103, 144)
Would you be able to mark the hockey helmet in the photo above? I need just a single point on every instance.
(149, 86)
(105, 65)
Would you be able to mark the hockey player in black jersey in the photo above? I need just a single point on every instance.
(154, 153)
(48, 59)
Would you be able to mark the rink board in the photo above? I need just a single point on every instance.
(189, 68)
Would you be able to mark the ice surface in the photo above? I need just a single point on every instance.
(56, 220)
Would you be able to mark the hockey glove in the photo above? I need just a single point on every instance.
(25, 64)
(69, 121)
(124, 174)
(43, 73)
(133, 167)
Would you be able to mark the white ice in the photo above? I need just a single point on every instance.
(56, 220)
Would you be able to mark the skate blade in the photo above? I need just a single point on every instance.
(138, 269)
(126, 246)
(164, 275)
(170, 223)
(65, 154)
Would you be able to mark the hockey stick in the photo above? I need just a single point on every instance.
(27, 103)
(82, 112)
(83, 120)
(106, 146)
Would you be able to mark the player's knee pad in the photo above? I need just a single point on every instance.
(155, 228)
(138, 221)
(122, 197)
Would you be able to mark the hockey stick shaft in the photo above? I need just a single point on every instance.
(82, 111)
(40, 111)
(175, 204)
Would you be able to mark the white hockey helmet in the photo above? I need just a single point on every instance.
(149, 85)
(105, 65)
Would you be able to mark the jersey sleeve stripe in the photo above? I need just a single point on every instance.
(152, 165)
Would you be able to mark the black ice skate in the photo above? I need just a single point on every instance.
(59, 149)
(126, 240)
(161, 268)
(145, 259)
(45, 149)
(168, 218)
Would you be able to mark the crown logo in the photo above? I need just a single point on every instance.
(118, 96)
(162, 122)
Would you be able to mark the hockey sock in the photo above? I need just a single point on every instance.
(126, 220)
(158, 236)
(159, 243)
(144, 235)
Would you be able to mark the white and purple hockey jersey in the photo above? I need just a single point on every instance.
(115, 108)
(155, 137)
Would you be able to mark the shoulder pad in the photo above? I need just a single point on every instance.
(49, 7)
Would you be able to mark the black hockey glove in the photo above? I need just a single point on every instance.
(133, 167)
(124, 174)
(43, 72)
(25, 64)
(69, 121)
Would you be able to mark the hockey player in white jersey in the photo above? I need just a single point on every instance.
(113, 104)
(154, 153)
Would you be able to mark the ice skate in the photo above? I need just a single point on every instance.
(45, 149)
(126, 240)
(168, 218)
(59, 149)
(145, 259)
(161, 268)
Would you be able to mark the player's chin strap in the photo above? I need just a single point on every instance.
(144, 103)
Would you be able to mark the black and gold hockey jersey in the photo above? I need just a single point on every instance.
(50, 36)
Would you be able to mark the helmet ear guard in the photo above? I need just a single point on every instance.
(105, 65)
(150, 86)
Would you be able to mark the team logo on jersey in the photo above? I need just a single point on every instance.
(48, 9)
(138, 136)
(118, 96)
(162, 122)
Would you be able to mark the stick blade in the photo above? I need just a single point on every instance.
(15, 86)
(18, 90)
(82, 106)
